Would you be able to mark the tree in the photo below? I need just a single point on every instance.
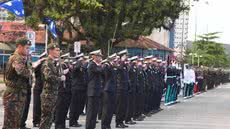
(102, 20)
(129, 19)
(213, 53)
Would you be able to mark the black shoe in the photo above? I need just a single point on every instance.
(126, 126)
(83, 114)
(36, 125)
(105, 127)
(139, 119)
(24, 128)
(130, 122)
(120, 126)
(142, 116)
(154, 111)
(149, 115)
(75, 125)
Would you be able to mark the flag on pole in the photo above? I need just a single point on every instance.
(14, 6)
(51, 26)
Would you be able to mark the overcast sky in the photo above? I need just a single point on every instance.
(212, 16)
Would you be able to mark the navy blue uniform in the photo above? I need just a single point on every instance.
(109, 92)
(79, 87)
(94, 91)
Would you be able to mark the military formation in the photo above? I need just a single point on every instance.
(131, 88)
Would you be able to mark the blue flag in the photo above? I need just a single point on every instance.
(14, 6)
(51, 26)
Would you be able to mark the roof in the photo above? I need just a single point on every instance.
(143, 43)
(11, 31)
(6, 47)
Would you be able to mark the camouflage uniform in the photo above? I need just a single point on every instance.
(17, 81)
(51, 76)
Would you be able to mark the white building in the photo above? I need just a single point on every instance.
(181, 29)
(160, 36)
(3, 15)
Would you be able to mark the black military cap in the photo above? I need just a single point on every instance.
(52, 46)
(23, 42)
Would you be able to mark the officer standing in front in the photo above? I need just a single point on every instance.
(94, 88)
(109, 91)
(122, 89)
(17, 77)
(79, 87)
(64, 96)
(133, 77)
(52, 78)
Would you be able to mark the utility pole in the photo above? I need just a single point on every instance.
(182, 47)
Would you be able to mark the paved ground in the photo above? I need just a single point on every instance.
(210, 110)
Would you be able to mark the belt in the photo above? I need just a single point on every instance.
(15, 90)
(171, 77)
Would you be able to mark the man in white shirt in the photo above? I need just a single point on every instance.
(189, 81)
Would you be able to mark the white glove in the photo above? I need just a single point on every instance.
(65, 71)
(35, 64)
(31, 72)
(63, 78)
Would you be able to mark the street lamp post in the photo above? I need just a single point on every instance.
(191, 54)
(193, 57)
(196, 17)
(199, 60)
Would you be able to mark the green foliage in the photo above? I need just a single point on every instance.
(213, 53)
(132, 18)
(11, 17)
(97, 20)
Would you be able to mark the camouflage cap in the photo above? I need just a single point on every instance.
(52, 46)
(23, 41)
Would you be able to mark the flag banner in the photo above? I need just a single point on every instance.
(14, 6)
(51, 26)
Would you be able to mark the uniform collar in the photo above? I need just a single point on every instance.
(17, 53)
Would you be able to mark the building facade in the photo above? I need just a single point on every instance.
(143, 47)
(179, 34)
(161, 36)
(3, 15)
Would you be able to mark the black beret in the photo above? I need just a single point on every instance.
(52, 46)
(23, 41)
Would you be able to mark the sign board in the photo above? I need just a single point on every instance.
(31, 36)
(77, 47)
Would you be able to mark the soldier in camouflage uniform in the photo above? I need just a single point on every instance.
(17, 78)
(52, 78)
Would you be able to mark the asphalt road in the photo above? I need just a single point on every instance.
(210, 110)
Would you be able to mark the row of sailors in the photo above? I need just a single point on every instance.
(129, 87)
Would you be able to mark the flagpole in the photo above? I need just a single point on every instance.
(46, 39)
